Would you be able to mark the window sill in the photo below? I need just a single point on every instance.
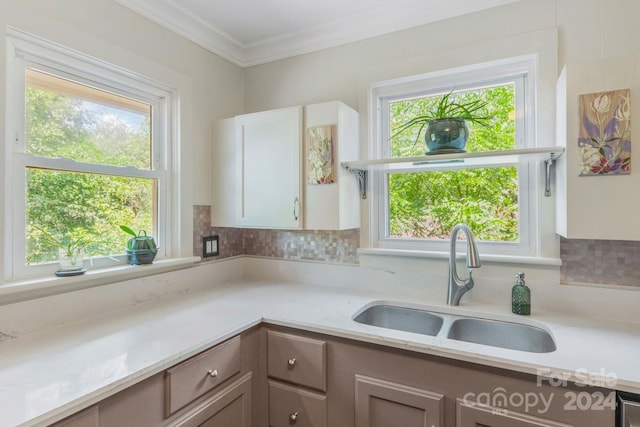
(16, 291)
(491, 258)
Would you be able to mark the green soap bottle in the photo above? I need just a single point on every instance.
(520, 296)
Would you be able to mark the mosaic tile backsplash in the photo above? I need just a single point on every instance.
(598, 262)
(601, 262)
(326, 246)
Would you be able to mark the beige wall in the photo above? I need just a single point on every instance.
(588, 29)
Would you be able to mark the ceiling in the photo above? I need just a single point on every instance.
(251, 32)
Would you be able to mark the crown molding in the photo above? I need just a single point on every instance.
(197, 31)
(366, 25)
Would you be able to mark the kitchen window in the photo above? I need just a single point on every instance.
(415, 208)
(88, 149)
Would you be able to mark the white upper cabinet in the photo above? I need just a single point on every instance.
(280, 169)
(332, 205)
(599, 206)
(268, 165)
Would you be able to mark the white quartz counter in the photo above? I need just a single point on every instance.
(49, 375)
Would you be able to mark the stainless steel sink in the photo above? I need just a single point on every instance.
(514, 336)
(402, 319)
(495, 333)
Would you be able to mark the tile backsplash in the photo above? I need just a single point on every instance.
(325, 246)
(600, 262)
(328, 246)
(597, 262)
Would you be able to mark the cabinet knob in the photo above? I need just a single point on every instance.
(291, 362)
(293, 417)
(213, 373)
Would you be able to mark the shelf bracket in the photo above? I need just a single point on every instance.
(361, 176)
(548, 164)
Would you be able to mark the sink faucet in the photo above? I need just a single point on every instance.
(457, 286)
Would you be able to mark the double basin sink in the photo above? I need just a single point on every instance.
(495, 333)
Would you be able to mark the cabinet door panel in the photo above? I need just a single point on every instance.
(229, 416)
(382, 403)
(86, 418)
(475, 415)
(268, 168)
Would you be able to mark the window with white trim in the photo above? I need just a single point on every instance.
(88, 149)
(416, 209)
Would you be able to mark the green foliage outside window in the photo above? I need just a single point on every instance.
(427, 205)
(83, 206)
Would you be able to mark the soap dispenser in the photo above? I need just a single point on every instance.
(520, 296)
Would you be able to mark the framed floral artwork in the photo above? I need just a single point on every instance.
(319, 152)
(604, 141)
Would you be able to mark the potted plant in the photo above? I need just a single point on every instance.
(141, 248)
(70, 251)
(445, 123)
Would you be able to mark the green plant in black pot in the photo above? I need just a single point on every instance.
(141, 249)
(446, 123)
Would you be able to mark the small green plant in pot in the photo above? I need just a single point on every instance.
(446, 123)
(70, 250)
(141, 248)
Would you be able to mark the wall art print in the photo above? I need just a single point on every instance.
(604, 142)
(320, 160)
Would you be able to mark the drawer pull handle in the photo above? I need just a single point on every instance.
(293, 417)
(292, 362)
(213, 373)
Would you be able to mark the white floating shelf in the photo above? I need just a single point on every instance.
(454, 161)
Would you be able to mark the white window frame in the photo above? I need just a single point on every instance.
(521, 71)
(26, 51)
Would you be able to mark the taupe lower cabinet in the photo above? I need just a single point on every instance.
(280, 377)
(385, 403)
(297, 368)
(216, 388)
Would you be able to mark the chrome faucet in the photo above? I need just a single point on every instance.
(458, 287)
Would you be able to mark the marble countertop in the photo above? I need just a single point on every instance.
(47, 376)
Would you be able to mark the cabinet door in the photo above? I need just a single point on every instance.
(86, 418)
(269, 169)
(382, 403)
(470, 414)
(231, 407)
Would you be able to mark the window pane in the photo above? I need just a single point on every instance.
(67, 119)
(499, 134)
(427, 205)
(85, 206)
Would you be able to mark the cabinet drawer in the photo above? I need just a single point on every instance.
(292, 406)
(297, 359)
(194, 377)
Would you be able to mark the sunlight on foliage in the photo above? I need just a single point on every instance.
(70, 205)
(427, 205)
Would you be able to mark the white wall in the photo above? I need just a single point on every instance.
(336, 73)
(210, 87)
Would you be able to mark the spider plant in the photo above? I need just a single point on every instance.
(448, 107)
